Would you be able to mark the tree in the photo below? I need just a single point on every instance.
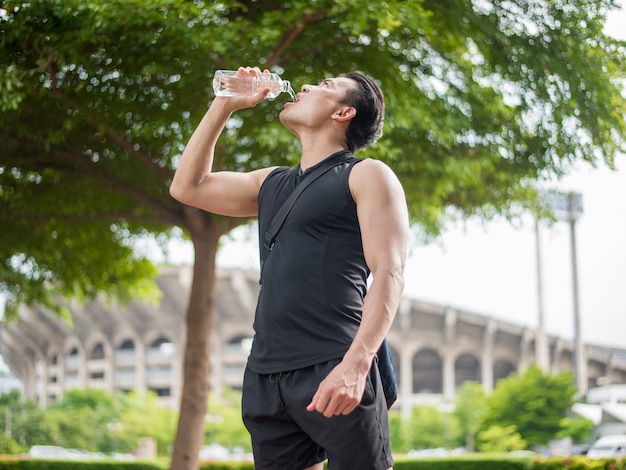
(535, 403)
(99, 97)
(140, 415)
(470, 407)
(9, 445)
(21, 420)
(430, 428)
(97, 421)
(398, 434)
(79, 420)
(90, 419)
(500, 439)
(578, 428)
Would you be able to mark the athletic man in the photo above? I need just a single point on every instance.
(310, 391)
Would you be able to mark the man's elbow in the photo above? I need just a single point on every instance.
(394, 274)
(179, 192)
(175, 191)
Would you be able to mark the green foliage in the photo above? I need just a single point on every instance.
(91, 420)
(578, 428)
(579, 463)
(78, 465)
(227, 466)
(500, 439)
(141, 416)
(74, 429)
(430, 428)
(470, 407)
(425, 430)
(90, 399)
(97, 421)
(467, 462)
(80, 419)
(10, 398)
(224, 424)
(535, 403)
(24, 419)
(397, 433)
(99, 97)
(9, 445)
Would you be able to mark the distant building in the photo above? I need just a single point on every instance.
(606, 407)
(435, 348)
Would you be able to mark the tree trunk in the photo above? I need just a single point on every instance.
(205, 234)
(469, 442)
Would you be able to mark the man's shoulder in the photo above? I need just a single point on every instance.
(276, 180)
(273, 172)
(369, 169)
(373, 178)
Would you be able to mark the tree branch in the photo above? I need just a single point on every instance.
(115, 137)
(292, 35)
(307, 52)
(118, 139)
(139, 196)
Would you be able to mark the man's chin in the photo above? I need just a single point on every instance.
(284, 119)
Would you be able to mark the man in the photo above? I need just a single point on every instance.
(310, 391)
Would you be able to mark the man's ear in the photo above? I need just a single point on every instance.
(344, 114)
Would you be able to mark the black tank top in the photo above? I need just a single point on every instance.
(315, 278)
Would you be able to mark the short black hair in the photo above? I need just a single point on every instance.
(367, 98)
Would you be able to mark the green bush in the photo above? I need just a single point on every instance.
(469, 462)
(227, 466)
(42, 464)
(10, 446)
(579, 463)
(466, 462)
(495, 462)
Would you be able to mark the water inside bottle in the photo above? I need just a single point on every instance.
(276, 88)
(292, 93)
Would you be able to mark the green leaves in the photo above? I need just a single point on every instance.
(534, 402)
(95, 420)
(98, 99)
(11, 93)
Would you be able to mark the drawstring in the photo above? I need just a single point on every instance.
(277, 376)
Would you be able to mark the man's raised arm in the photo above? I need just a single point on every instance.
(195, 184)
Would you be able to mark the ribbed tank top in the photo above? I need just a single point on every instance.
(314, 280)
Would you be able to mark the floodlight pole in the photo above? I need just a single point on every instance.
(575, 210)
(569, 207)
(542, 358)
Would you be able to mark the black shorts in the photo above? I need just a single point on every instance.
(285, 436)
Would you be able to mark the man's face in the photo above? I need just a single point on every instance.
(316, 103)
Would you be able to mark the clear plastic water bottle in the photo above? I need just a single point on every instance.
(226, 83)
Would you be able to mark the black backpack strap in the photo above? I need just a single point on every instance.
(279, 219)
(387, 374)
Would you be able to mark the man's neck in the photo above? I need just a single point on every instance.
(312, 155)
